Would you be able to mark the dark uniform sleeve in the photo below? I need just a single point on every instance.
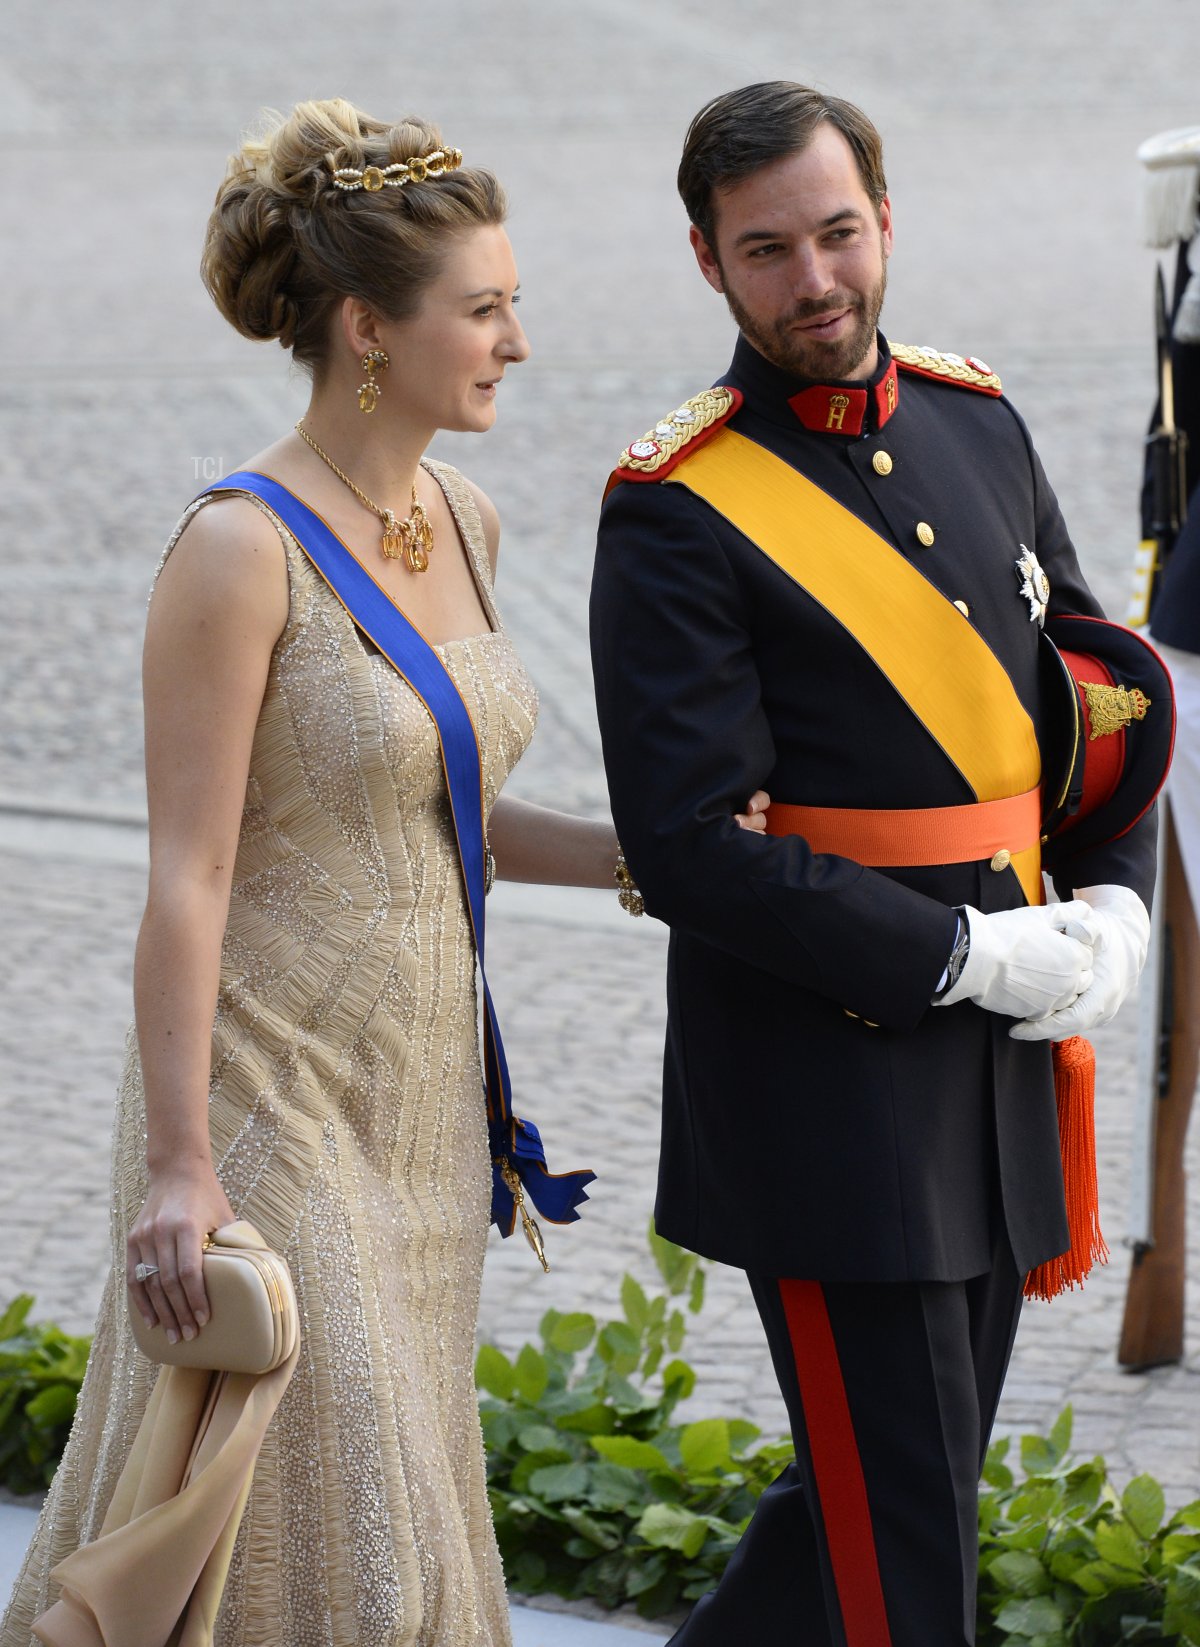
(1130, 859)
(686, 741)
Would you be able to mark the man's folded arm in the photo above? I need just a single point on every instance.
(686, 740)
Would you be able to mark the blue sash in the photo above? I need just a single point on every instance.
(515, 1144)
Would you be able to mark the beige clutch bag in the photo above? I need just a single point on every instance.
(155, 1575)
(253, 1324)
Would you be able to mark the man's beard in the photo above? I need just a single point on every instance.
(801, 356)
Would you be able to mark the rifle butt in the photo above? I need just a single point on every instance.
(1152, 1328)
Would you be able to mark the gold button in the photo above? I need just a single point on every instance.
(963, 608)
(881, 463)
(924, 533)
(1002, 859)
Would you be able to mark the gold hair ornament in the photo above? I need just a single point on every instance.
(416, 169)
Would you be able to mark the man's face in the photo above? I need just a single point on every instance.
(801, 257)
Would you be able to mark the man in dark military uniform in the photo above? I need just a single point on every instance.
(829, 576)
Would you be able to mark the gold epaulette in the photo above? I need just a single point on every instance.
(966, 370)
(670, 438)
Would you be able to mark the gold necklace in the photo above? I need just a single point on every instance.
(409, 540)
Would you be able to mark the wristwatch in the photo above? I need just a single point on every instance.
(958, 957)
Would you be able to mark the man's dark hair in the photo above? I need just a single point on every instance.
(742, 130)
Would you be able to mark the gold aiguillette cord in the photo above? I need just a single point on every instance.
(517, 1190)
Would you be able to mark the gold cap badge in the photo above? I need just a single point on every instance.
(1111, 708)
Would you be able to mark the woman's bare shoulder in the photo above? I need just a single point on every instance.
(229, 554)
(231, 532)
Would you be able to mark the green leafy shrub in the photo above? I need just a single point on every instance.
(41, 1369)
(1067, 1562)
(595, 1490)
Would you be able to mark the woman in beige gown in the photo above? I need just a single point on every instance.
(306, 1054)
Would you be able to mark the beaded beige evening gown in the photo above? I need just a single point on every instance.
(348, 1124)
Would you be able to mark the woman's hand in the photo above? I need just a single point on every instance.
(754, 817)
(180, 1210)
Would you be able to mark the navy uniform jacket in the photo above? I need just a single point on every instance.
(1175, 620)
(797, 1139)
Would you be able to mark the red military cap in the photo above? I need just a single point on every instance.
(1107, 731)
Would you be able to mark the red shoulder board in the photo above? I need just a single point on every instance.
(682, 431)
(965, 370)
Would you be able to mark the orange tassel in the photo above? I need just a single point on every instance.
(1075, 1095)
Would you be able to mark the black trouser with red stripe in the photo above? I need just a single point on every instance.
(870, 1539)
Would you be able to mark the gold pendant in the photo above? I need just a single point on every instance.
(420, 539)
(393, 536)
(532, 1233)
(408, 540)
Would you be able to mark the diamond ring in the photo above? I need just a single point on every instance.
(143, 1272)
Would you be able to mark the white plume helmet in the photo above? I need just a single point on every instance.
(1172, 162)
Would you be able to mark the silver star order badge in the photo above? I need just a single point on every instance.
(1035, 586)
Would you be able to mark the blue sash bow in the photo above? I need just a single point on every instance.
(516, 1145)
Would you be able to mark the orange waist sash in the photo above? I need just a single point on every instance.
(915, 835)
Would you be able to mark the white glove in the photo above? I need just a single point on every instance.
(1117, 919)
(1025, 962)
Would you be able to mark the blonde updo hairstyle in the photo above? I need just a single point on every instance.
(285, 245)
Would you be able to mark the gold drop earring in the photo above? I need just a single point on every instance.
(368, 393)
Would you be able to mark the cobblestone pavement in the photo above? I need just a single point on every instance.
(1010, 137)
(579, 989)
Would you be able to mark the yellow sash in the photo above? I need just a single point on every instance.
(913, 633)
